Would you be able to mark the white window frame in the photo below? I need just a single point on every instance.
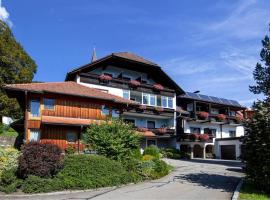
(162, 98)
(32, 131)
(168, 102)
(30, 104)
(155, 97)
(128, 93)
(148, 98)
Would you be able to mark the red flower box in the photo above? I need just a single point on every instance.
(203, 137)
(142, 107)
(221, 117)
(134, 83)
(162, 130)
(159, 109)
(203, 115)
(158, 87)
(239, 118)
(142, 129)
(104, 77)
(194, 136)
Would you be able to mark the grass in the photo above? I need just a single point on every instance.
(249, 192)
(7, 131)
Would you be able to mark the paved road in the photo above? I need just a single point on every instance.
(196, 179)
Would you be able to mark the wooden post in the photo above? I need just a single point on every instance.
(26, 117)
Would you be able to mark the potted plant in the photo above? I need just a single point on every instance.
(194, 136)
(158, 87)
(105, 78)
(162, 130)
(203, 115)
(203, 137)
(134, 83)
(221, 117)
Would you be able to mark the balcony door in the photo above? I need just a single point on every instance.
(151, 124)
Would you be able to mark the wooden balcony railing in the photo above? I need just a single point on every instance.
(188, 137)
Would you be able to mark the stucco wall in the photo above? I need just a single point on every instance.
(236, 142)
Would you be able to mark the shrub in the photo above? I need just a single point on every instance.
(172, 153)
(203, 137)
(8, 159)
(36, 184)
(43, 160)
(152, 150)
(89, 171)
(147, 157)
(9, 181)
(70, 150)
(114, 139)
(194, 136)
(160, 169)
(136, 154)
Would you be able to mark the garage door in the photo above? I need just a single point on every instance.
(228, 152)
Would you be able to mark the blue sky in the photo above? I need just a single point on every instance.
(211, 46)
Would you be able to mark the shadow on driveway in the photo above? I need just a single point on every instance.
(229, 163)
(210, 181)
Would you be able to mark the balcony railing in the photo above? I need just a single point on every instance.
(119, 82)
(158, 131)
(143, 109)
(189, 137)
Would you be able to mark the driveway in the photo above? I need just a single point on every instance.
(195, 179)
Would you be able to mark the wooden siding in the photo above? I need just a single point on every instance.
(34, 124)
(58, 135)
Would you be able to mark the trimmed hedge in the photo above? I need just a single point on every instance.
(43, 160)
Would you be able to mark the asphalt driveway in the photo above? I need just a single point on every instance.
(195, 179)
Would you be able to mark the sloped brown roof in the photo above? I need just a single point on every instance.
(67, 88)
(134, 57)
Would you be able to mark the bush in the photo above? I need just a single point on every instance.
(70, 150)
(9, 181)
(89, 171)
(43, 160)
(114, 139)
(171, 153)
(8, 159)
(152, 150)
(136, 154)
(147, 157)
(36, 184)
(160, 169)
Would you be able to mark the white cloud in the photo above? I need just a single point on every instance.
(4, 15)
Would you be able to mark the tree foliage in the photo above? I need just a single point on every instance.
(16, 66)
(257, 140)
(114, 139)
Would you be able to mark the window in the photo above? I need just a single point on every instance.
(210, 131)
(232, 133)
(158, 100)
(130, 121)
(214, 111)
(164, 102)
(151, 142)
(35, 107)
(170, 102)
(49, 104)
(126, 94)
(71, 137)
(152, 100)
(115, 113)
(151, 124)
(195, 130)
(105, 110)
(190, 107)
(145, 99)
(34, 135)
(232, 113)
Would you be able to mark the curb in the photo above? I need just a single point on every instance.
(237, 190)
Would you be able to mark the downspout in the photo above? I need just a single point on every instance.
(25, 117)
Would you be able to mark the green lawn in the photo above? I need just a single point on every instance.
(7, 131)
(248, 192)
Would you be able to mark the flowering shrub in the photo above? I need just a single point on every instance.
(134, 83)
(8, 159)
(194, 136)
(104, 77)
(158, 87)
(203, 115)
(221, 117)
(239, 118)
(142, 129)
(203, 137)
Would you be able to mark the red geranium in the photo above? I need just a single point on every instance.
(194, 136)
(221, 117)
(203, 115)
(104, 77)
(158, 87)
(203, 137)
(162, 130)
(134, 83)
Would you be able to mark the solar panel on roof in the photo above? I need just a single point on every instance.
(216, 100)
(235, 103)
(225, 101)
(205, 97)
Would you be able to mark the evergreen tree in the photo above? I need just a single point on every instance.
(257, 140)
(16, 66)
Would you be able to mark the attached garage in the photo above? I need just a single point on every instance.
(228, 152)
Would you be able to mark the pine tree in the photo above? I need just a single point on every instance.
(257, 140)
(16, 66)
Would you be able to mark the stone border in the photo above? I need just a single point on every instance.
(237, 190)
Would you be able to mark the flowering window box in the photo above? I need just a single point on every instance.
(239, 118)
(204, 137)
(158, 109)
(142, 129)
(162, 131)
(134, 83)
(194, 136)
(221, 117)
(105, 78)
(203, 115)
(158, 87)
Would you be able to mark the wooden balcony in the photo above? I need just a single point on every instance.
(158, 131)
(186, 137)
(124, 84)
